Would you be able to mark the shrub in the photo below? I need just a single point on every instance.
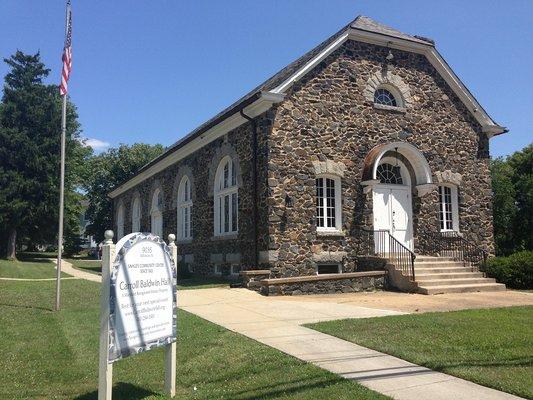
(183, 270)
(516, 270)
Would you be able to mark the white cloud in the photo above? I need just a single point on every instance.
(96, 144)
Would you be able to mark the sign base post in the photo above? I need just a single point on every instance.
(170, 370)
(170, 350)
(105, 369)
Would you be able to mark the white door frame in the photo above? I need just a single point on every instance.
(409, 229)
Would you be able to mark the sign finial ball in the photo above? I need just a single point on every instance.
(109, 235)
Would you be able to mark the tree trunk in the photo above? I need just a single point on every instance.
(11, 245)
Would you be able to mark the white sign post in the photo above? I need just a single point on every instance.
(138, 304)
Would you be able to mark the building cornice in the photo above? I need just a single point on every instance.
(264, 101)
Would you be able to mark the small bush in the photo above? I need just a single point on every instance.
(183, 270)
(516, 270)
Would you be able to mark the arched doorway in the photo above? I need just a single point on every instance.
(391, 198)
(391, 171)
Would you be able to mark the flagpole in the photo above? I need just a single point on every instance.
(62, 179)
(61, 201)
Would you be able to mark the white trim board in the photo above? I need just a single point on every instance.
(235, 120)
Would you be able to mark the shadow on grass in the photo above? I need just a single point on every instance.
(199, 282)
(121, 390)
(92, 269)
(509, 362)
(31, 307)
(44, 260)
(35, 256)
(285, 389)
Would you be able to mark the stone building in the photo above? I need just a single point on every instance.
(369, 144)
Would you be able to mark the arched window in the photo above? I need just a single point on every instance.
(385, 97)
(328, 203)
(226, 198)
(448, 208)
(184, 209)
(390, 174)
(156, 213)
(120, 221)
(136, 215)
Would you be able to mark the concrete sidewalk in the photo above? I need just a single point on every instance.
(276, 322)
(67, 268)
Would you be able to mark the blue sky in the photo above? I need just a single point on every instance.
(151, 71)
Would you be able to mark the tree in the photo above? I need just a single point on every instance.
(521, 163)
(104, 172)
(504, 205)
(30, 118)
(512, 184)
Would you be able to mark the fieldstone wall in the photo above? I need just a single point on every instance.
(205, 250)
(328, 117)
(349, 285)
(328, 122)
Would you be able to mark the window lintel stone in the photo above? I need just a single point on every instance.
(448, 176)
(329, 167)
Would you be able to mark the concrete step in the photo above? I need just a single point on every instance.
(432, 258)
(453, 282)
(477, 287)
(429, 264)
(456, 275)
(441, 270)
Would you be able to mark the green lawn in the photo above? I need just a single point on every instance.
(491, 347)
(95, 267)
(49, 355)
(34, 269)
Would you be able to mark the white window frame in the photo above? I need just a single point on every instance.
(455, 208)
(406, 178)
(394, 91)
(184, 210)
(120, 221)
(338, 205)
(217, 269)
(220, 193)
(136, 215)
(156, 214)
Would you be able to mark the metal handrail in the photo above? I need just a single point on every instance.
(381, 243)
(454, 245)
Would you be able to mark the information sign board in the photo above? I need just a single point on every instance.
(142, 296)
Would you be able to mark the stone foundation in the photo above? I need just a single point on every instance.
(324, 284)
(252, 279)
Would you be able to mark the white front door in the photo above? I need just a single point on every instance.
(392, 212)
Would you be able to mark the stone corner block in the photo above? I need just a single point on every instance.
(329, 256)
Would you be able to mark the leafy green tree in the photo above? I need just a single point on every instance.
(30, 121)
(521, 163)
(512, 183)
(504, 204)
(104, 172)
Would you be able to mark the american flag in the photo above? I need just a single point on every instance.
(67, 54)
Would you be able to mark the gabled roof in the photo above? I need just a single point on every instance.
(272, 91)
(368, 24)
